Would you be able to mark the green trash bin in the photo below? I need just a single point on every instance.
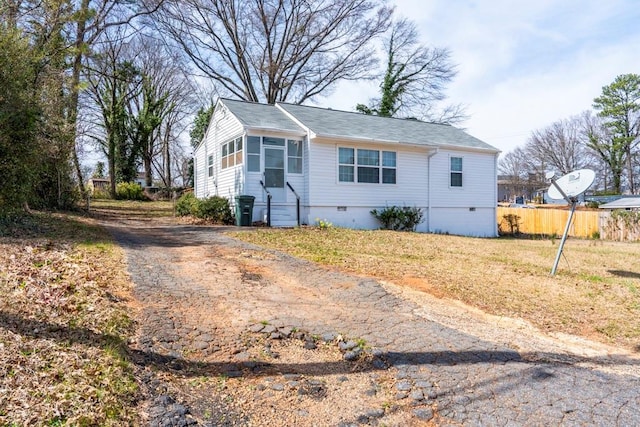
(244, 210)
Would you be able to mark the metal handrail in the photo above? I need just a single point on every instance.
(268, 203)
(297, 202)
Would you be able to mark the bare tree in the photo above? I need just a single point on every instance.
(10, 11)
(114, 81)
(80, 24)
(515, 173)
(280, 50)
(560, 146)
(414, 79)
(165, 102)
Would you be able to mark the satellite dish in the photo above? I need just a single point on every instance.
(569, 187)
(572, 184)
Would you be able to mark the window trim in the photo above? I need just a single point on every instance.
(252, 155)
(299, 158)
(457, 172)
(381, 167)
(231, 153)
(210, 165)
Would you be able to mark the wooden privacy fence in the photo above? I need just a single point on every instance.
(552, 221)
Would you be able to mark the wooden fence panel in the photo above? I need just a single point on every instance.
(551, 221)
(624, 227)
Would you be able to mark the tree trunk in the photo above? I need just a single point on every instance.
(632, 188)
(166, 157)
(112, 166)
(75, 91)
(148, 176)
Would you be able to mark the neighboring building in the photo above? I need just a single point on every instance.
(626, 203)
(344, 164)
(103, 184)
(514, 189)
(98, 184)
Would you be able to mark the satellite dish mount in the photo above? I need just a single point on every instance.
(569, 187)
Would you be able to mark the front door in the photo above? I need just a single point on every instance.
(274, 172)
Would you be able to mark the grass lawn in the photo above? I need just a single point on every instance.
(596, 292)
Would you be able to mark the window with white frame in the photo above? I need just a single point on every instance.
(346, 163)
(455, 171)
(294, 156)
(232, 153)
(253, 153)
(366, 166)
(210, 165)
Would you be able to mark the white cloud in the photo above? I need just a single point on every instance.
(522, 65)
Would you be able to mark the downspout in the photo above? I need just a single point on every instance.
(206, 166)
(495, 196)
(429, 156)
(216, 162)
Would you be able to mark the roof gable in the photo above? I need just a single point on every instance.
(261, 116)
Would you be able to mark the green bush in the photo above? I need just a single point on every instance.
(129, 191)
(215, 209)
(399, 218)
(186, 204)
(100, 194)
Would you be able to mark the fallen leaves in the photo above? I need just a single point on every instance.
(57, 362)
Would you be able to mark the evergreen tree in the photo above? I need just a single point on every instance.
(619, 106)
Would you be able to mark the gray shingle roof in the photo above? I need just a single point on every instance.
(264, 116)
(325, 122)
(335, 123)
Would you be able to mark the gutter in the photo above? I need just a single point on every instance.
(332, 139)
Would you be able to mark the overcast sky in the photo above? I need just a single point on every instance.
(522, 64)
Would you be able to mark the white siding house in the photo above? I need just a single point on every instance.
(344, 164)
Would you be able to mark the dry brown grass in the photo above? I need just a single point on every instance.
(595, 294)
(63, 325)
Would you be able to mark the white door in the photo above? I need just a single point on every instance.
(274, 172)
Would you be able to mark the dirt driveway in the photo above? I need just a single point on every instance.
(233, 334)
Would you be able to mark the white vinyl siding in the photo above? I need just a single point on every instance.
(326, 188)
(479, 180)
(223, 128)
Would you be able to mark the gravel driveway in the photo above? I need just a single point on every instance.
(226, 314)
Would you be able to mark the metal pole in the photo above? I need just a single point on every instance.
(298, 210)
(566, 229)
(564, 238)
(268, 210)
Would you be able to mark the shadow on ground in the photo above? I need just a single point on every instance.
(46, 330)
(625, 274)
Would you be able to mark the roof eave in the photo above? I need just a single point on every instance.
(470, 148)
(300, 132)
(371, 140)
